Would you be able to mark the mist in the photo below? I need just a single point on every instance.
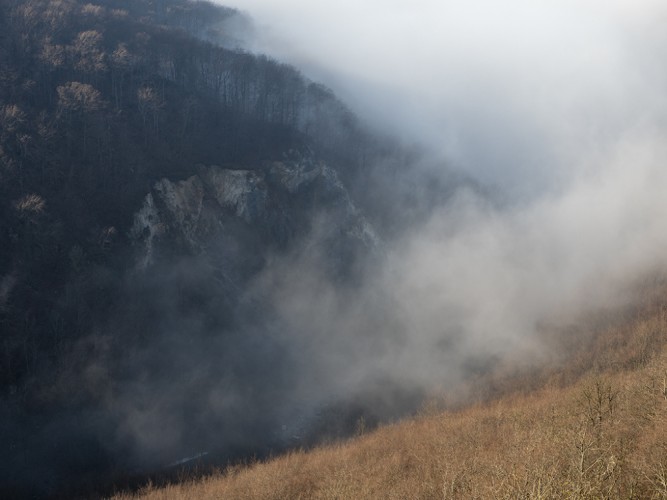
(554, 113)
(557, 112)
(558, 109)
(519, 94)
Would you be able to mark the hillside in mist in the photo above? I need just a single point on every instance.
(162, 192)
(207, 253)
(591, 425)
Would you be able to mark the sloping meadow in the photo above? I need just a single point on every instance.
(590, 426)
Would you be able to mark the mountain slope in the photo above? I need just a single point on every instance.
(147, 178)
(591, 428)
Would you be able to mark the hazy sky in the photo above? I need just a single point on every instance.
(518, 92)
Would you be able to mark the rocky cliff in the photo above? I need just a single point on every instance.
(234, 216)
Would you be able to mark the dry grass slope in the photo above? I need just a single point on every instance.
(592, 427)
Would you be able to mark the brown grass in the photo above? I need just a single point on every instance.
(590, 425)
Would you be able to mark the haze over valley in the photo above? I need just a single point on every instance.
(235, 230)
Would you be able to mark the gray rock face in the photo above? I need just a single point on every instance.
(250, 211)
(212, 250)
(243, 192)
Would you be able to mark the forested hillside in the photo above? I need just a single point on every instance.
(97, 104)
(110, 106)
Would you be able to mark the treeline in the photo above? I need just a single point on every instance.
(101, 85)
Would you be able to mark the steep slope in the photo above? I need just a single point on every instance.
(276, 203)
(593, 427)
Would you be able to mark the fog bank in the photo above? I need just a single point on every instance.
(558, 108)
(515, 93)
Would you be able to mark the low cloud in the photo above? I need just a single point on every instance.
(475, 281)
(514, 93)
(558, 108)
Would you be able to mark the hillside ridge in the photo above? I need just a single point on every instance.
(592, 427)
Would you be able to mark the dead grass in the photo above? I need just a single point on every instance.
(593, 426)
